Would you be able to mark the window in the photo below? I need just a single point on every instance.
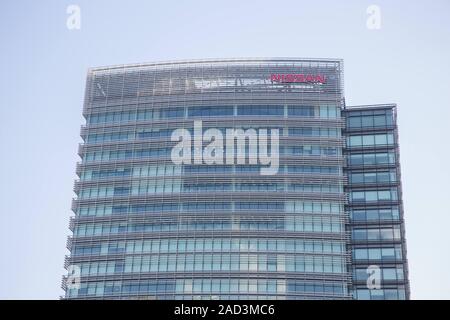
(216, 111)
(360, 254)
(379, 121)
(303, 111)
(392, 233)
(260, 110)
(370, 119)
(372, 196)
(367, 121)
(370, 140)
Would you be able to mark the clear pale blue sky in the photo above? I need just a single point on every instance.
(43, 69)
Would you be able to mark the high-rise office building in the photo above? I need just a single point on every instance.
(302, 202)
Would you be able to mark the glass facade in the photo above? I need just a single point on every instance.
(145, 227)
(375, 204)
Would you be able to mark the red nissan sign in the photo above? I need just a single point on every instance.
(299, 78)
